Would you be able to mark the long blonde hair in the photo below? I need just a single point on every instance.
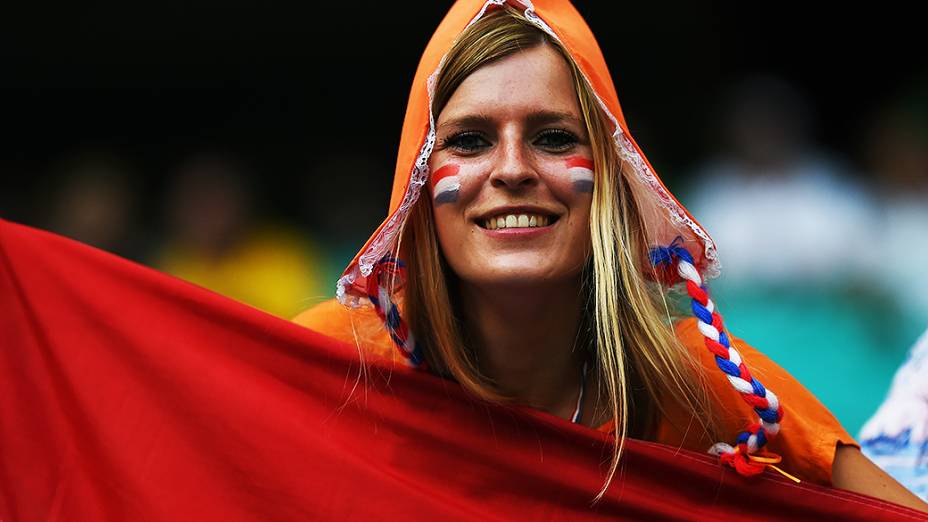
(629, 325)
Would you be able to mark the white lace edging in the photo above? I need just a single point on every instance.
(387, 235)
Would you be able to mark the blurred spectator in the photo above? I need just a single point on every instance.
(897, 157)
(771, 187)
(896, 437)
(343, 224)
(93, 201)
(795, 235)
(215, 240)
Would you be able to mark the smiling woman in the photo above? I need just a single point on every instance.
(518, 220)
(537, 265)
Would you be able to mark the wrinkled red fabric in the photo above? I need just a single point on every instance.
(130, 395)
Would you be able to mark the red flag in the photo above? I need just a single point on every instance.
(130, 395)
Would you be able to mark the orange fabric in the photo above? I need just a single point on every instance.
(809, 432)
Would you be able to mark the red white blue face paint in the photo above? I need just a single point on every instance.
(446, 184)
(581, 173)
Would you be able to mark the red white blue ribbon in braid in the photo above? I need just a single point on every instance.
(388, 312)
(741, 457)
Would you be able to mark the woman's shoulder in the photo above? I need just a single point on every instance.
(322, 315)
(357, 326)
(809, 431)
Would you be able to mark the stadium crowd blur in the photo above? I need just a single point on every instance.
(260, 177)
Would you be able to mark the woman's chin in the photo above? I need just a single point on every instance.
(522, 276)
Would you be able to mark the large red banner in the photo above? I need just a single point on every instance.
(130, 395)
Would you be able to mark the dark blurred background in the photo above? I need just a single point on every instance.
(249, 148)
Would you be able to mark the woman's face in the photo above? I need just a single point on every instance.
(512, 174)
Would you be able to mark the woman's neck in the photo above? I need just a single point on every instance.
(526, 341)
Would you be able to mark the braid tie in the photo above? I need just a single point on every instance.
(742, 456)
(389, 313)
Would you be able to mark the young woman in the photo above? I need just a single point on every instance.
(529, 252)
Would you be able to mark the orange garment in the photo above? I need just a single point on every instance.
(808, 435)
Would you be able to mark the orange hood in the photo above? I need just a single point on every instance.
(665, 216)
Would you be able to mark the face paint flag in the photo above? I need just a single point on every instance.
(581, 173)
(446, 184)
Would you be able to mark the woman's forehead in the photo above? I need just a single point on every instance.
(534, 116)
(528, 82)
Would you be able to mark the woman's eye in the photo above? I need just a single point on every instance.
(465, 142)
(556, 139)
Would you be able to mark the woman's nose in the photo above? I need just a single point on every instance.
(513, 170)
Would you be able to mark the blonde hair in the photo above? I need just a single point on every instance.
(629, 324)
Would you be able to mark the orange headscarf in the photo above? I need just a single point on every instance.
(664, 215)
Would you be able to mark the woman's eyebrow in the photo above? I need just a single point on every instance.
(469, 120)
(546, 117)
(534, 119)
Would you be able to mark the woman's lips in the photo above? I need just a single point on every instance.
(518, 232)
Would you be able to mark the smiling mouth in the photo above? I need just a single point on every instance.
(504, 221)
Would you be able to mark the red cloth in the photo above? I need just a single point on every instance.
(130, 395)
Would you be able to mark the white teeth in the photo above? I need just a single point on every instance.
(516, 221)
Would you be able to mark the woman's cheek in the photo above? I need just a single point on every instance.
(579, 170)
(454, 182)
(446, 184)
(572, 175)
